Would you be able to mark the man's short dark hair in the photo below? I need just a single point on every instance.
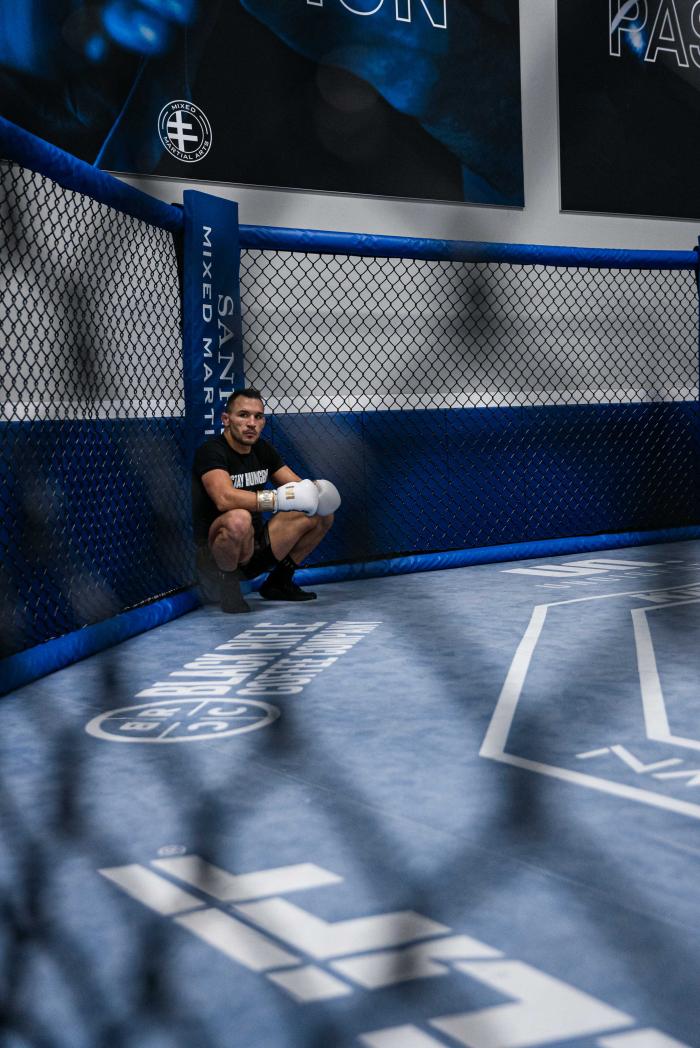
(252, 394)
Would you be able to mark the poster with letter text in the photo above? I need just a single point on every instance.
(406, 98)
(629, 106)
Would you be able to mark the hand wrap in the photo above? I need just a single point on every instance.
(267, 501)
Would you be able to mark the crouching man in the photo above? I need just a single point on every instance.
(229, 496)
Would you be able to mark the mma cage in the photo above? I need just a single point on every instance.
(472, 402)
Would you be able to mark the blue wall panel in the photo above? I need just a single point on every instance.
(625, 467)
(96, 519)
(488, 484)
(408, 479)
(330, 446)
(440, 480)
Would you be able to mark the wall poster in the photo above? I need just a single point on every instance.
(407, 98)
(629, 106)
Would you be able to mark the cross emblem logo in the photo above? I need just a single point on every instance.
(185, 131)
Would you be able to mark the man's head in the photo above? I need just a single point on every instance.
(243, 419)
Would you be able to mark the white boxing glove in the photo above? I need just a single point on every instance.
(299, 495)
(328, 497)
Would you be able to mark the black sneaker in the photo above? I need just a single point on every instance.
(232, 599)
(285, 591)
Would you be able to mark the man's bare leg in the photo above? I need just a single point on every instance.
(293, 536)
(231, 539)
(296, 535)
(231, 543)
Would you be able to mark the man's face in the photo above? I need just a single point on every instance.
(245, 421)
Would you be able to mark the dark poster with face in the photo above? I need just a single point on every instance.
(413, 98)
(629, 106)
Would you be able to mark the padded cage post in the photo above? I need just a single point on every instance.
(212, 311)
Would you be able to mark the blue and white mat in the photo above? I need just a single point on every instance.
(456, 808)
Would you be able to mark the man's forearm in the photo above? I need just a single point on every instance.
(236, 498)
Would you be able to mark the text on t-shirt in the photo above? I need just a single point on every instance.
(244, 480)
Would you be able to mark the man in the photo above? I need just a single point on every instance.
(229, 497)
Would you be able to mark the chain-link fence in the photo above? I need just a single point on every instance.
(94, 493)
(460, 404)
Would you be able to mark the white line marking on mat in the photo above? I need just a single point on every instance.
(496, 738)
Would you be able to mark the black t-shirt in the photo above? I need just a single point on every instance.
(249, 472)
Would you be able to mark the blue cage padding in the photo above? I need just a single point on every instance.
(521, 451)
(488, 465)
(212, 339)
(102, 460)
(326, 242)
(19, 670)
(466, 558)
(136, 557)
(99, 480)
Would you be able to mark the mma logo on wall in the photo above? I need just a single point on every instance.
(219, 693)
(247, 919)
(185, 131)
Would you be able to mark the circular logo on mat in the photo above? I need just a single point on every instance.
(184, 131)
(182, 720)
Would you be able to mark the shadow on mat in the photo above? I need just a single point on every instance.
(52, 831)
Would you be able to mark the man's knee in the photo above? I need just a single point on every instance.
(325, 524)
(235, 526)
(317, 525)
(299, 524)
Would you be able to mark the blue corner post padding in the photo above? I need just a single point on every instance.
(213, 340)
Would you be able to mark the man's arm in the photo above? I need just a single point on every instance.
(301, 495)
(218, 486)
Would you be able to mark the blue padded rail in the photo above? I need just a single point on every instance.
(27, 666)
(326, 242)
(34, 153)
(465, 558)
